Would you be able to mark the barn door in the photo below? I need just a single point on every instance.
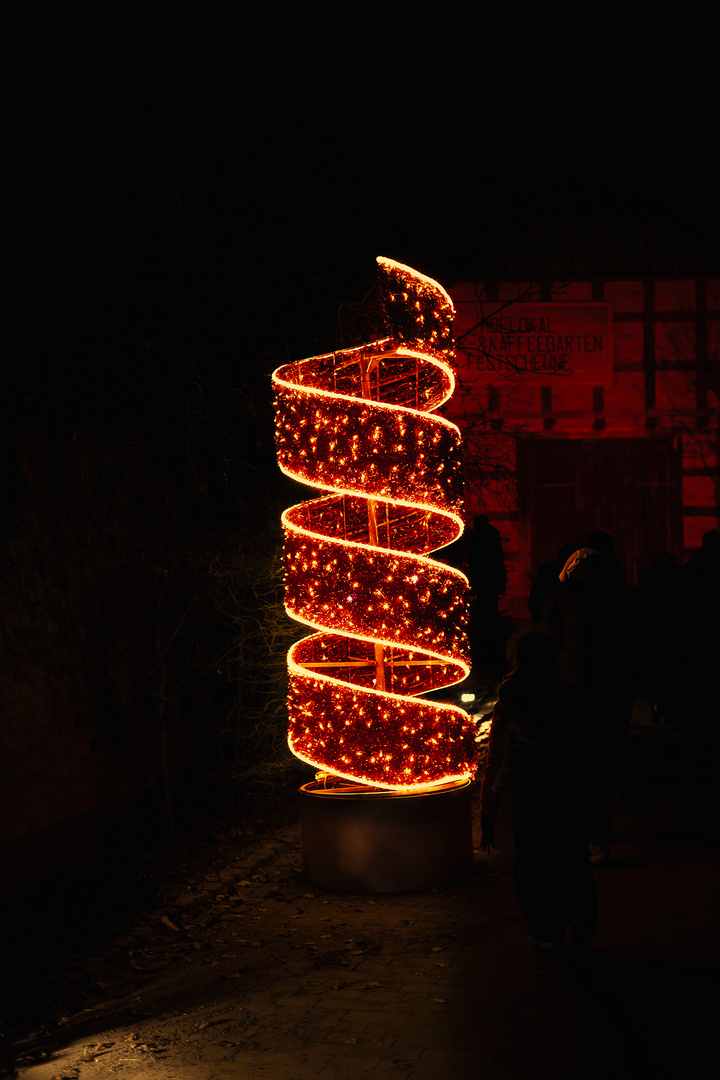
(630, 488)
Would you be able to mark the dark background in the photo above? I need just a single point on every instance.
(162, 262)
(156, 286)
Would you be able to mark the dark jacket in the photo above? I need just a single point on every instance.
(537, 740)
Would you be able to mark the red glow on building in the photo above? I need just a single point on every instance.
(589, 403)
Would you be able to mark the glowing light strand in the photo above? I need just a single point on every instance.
(360, 424)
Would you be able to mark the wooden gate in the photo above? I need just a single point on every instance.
(630, 488)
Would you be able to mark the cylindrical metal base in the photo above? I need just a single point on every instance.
(385, 842)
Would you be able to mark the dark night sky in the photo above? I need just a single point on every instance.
(275, 219)
(221, 164)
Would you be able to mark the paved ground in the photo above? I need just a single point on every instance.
(255, 974)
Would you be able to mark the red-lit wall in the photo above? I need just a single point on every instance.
(631, 448)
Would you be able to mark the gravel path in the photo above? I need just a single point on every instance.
(253, 973)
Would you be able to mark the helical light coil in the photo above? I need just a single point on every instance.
(360, 424)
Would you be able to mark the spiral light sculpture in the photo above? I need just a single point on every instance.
(360, 424)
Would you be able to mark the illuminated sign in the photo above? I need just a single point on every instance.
(534, 342)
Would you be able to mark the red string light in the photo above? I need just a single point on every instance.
(361, 424)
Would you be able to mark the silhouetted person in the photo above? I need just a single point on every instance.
(701, 582)
(700, 650)
(485, 564)
(538, 742)
(659, 599)
(590, 617)
(546, 579)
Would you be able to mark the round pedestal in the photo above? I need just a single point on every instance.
(385, 842)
